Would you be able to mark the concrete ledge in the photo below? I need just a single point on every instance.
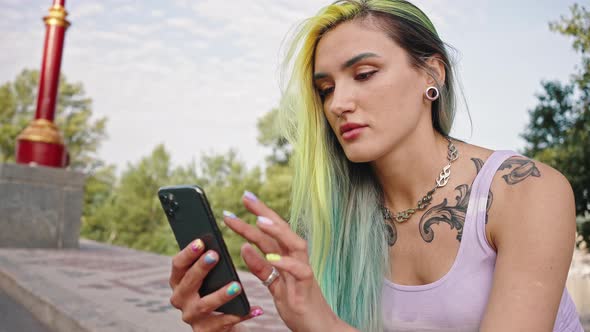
(40, 207)
(101, 288)
(42, 175)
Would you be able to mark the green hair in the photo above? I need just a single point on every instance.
(336, 203)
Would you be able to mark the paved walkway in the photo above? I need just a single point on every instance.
(104, 288)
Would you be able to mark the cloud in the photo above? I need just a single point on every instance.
(125, 9)
(77, 12)
(12, 14)
(156, 13)
(191, 26)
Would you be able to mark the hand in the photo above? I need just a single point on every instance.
(296, 293)
(186, 278)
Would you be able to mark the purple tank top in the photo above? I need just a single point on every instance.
(458, 300)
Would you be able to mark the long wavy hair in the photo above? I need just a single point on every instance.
(335, 202)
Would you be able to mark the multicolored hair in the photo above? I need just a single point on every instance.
(336, 203)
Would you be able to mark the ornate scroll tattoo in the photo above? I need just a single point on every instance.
(521, 168)
(452, 215)
(391, 233)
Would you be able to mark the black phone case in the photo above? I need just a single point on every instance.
(190, 217)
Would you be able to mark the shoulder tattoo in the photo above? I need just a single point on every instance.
(520, 169)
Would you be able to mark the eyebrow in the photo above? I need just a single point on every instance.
(349, 63)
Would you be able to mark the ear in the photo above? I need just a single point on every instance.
(436, 68)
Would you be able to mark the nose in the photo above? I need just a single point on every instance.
(342, 101)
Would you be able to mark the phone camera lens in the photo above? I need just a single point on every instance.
(164, 198)
(174, 206)
(170, 212)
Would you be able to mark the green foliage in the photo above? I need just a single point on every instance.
(270, 137)
(559, 129)
(130, 214)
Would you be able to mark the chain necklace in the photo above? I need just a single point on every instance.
(442, 180)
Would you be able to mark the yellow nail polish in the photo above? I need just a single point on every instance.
(273, 257)
(197, 245)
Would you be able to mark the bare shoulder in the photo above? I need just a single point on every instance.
(530, 198)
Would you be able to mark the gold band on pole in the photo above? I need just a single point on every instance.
(41, 130)
(57, 16)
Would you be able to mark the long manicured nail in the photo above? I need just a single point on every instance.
(197, 245)
(256, 312)
(273, 257)
(250, 196)
(210, 258)
(229, 214)
(264, 220)
(233, 289)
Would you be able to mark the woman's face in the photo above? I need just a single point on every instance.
(367, 79)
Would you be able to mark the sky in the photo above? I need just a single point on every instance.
(196, 75)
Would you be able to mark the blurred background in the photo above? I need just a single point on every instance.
(166, 92)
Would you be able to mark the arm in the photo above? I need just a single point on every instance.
(533, 230)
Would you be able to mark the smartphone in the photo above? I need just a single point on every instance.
(190, 217)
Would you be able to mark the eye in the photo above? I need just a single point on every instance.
(364, 76)
(325, 92)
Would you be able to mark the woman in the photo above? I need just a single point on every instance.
(368, 107)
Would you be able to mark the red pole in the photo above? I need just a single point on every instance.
(41, 142)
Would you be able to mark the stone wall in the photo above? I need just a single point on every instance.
(40, 207)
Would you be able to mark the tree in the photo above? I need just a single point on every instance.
(269, 136)
(82, 135)
(127, 211)
(276, 188)
(559, 129)
(130, 214)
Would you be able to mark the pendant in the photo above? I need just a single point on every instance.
(444, 176)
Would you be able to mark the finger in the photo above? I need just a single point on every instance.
(183, 260)
(299, 270)
(204, 306)
(250, 233)
(257, 207)
(278, 228)
(193, 278)
(226, 322)
(282, 233)
(257, 264)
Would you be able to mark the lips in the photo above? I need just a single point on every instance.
(350, 131)
(350, 126)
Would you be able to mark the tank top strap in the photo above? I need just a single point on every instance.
(476, 217)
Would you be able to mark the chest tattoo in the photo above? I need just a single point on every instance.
(454, 214)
